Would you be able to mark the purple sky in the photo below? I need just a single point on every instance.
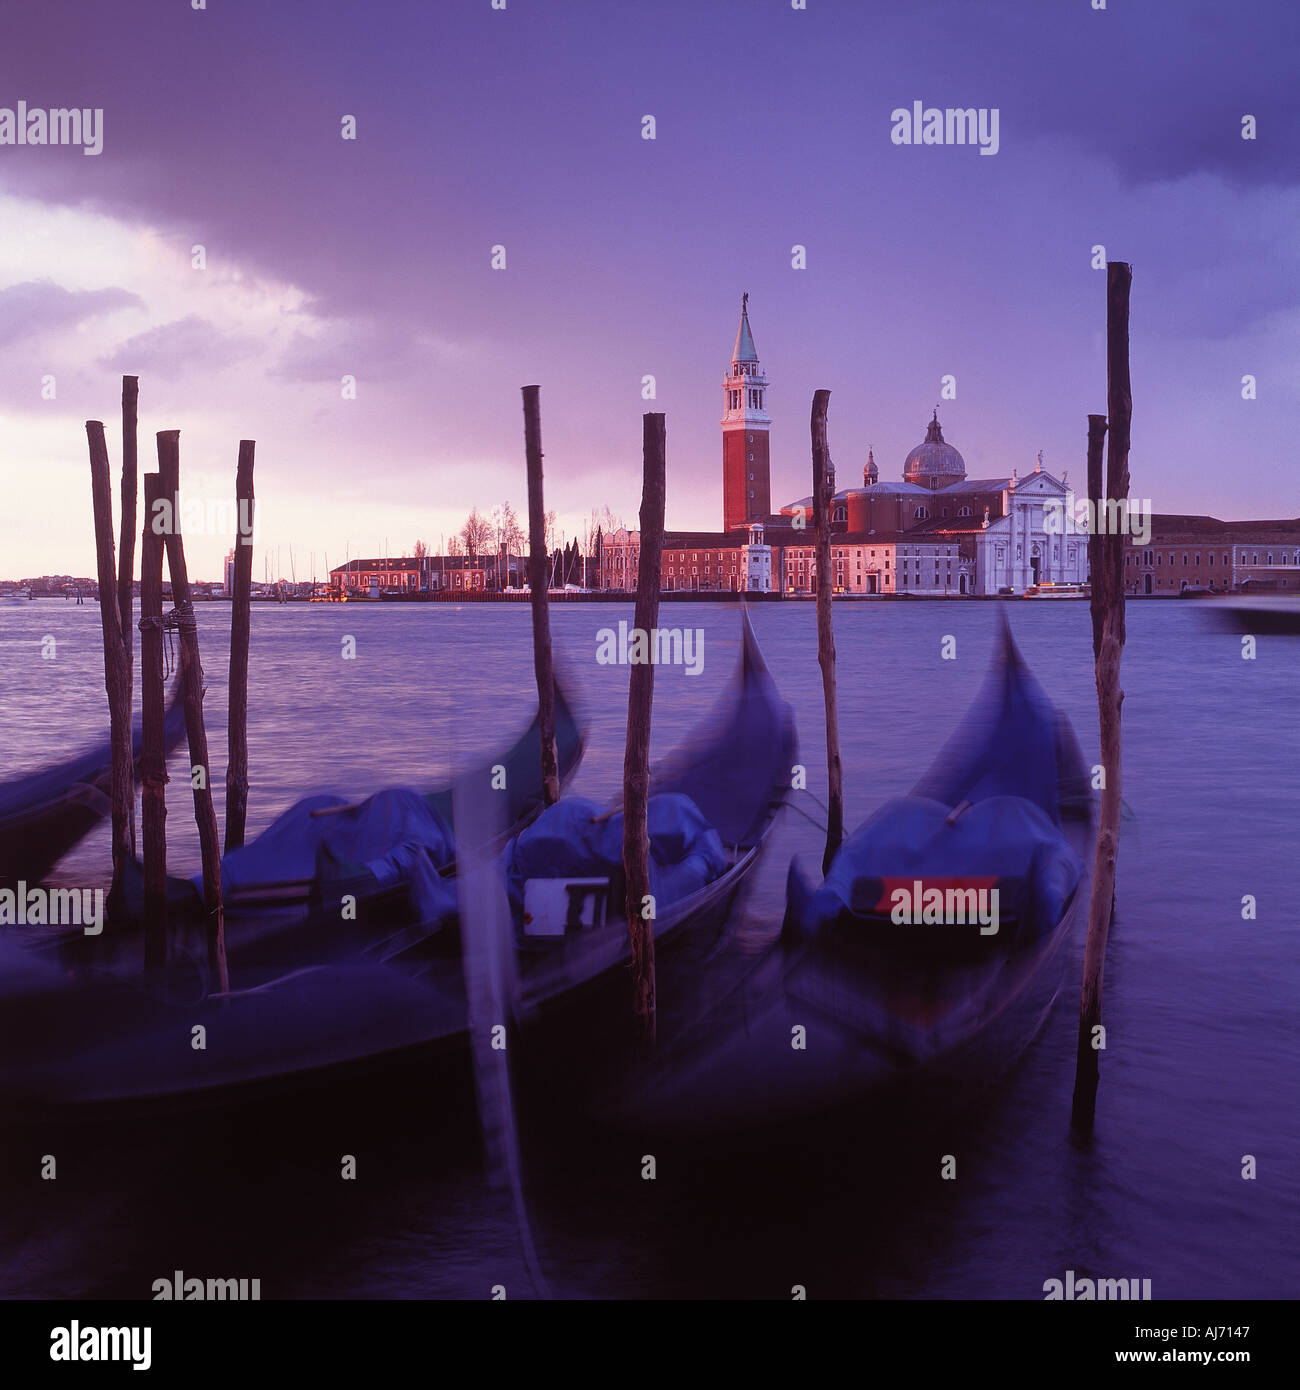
(627, 257)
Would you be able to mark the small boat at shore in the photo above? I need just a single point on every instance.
(935, 948)
(1050, 589)
(47, 813)
(79, 1035)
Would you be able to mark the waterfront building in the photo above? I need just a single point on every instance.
(429, 574)
(1202, 553)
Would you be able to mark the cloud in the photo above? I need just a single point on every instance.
(41, 307)
(361, 347)
(178, 348)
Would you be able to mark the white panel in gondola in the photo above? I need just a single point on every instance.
(556, 906)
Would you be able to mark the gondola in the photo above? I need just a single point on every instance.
(332, 879)
(858, 1001)
(736, 770)
(46, 814)
(397, 994)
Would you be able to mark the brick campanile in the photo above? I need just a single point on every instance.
(746, 467)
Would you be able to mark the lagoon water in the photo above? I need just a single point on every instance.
(1202, 1066)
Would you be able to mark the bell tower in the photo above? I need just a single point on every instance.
(746, 466)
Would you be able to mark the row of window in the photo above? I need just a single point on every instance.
(1242, 559)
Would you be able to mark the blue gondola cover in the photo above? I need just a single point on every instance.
(571, 840)
(1003, 842)
(393, 837)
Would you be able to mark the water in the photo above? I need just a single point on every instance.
(1200, 1004)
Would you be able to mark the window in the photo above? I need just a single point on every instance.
(920, 514)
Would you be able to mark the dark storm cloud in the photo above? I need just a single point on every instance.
(40, 307)
(175, 349)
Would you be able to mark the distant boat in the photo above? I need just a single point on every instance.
(1051, 589)
(1261, 615)
(45, 814)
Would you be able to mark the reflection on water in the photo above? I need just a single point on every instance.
(1200, 1068)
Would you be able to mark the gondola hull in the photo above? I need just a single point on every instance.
(856, 1011)
(387, 996)
(46, 815)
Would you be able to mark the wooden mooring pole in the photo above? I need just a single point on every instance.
(205, 816)
(240, 605)
(153, 756)
(126, 557)
(538, 583)
(636, 762)
(1106, 561)
(825, 631)
(117, 671)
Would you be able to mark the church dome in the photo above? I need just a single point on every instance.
(934, 463)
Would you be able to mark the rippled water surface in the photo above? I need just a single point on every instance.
(1200, 1004)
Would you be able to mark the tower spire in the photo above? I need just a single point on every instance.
(745, 351)
(746, 484)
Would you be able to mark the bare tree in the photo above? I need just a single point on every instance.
(605, 520)
(512, 531)
(476, 532)
(419, 550)
(455, 546)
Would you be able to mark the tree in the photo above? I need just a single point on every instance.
(455, 546)
(512, 531)
(603, 519)
(476, 532)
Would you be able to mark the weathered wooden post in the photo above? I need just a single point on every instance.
(205, 816)
(537, 585)
(126, 558)
(240, 603)
(1106, 560)
(822, 506)
(117, 671)
(636, 762)
(153, 755)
